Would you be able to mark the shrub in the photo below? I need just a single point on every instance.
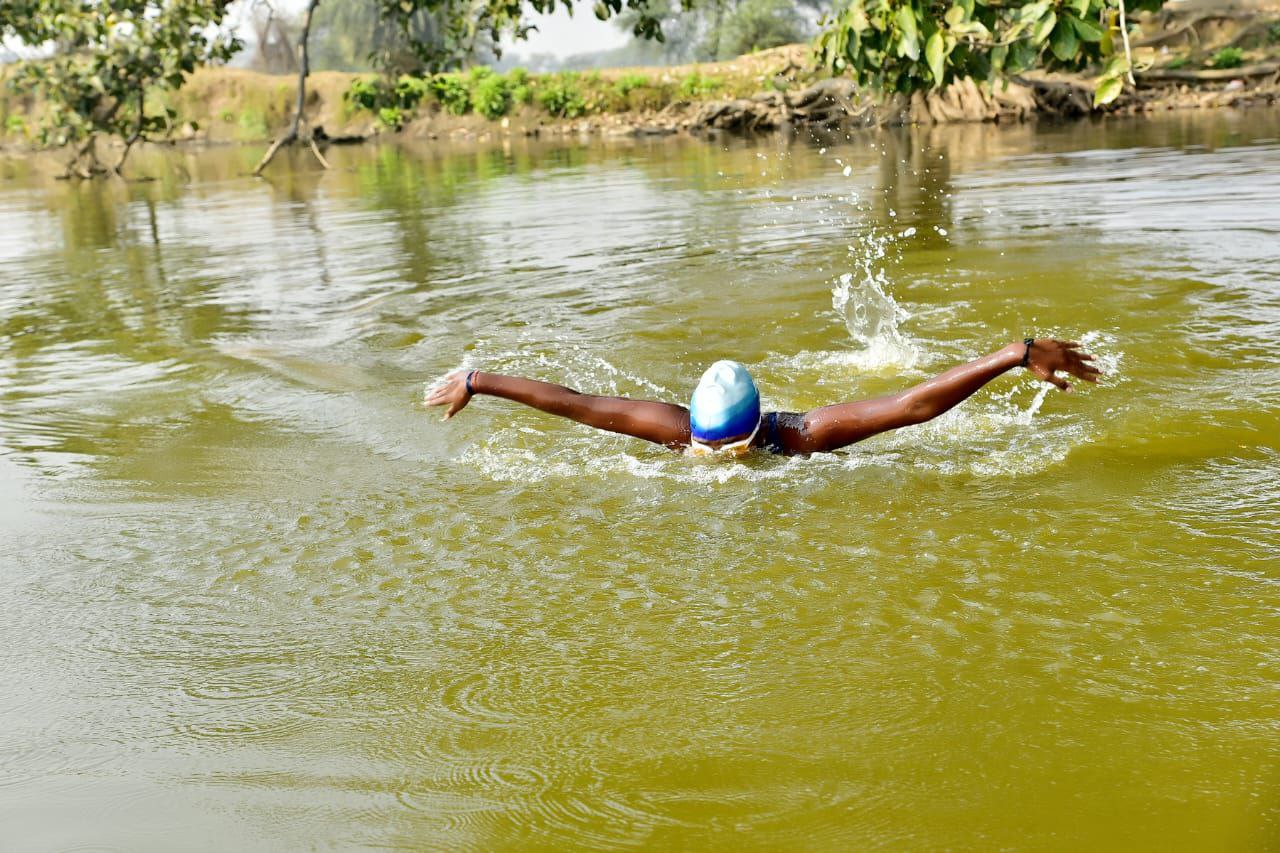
(490, 96)
(627, 83)
(517, 77)
(410, 91)
(521, 94)
(559, 95)
(1228, 57)
(451, 92)
(392, 117)
(696, 85)
(365, 93)
(392, 104)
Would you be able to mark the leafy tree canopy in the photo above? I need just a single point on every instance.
(910, 45)
(102, 57)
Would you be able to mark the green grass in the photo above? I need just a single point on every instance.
(1228, 57)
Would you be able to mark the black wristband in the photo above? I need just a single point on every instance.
(1026, 356)
(471, 390)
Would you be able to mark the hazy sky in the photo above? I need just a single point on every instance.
(563, 35)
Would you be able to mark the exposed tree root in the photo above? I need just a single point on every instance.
(1211, 74)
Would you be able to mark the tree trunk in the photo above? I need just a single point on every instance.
(304, 69)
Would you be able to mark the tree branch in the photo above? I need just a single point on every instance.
(1128, 54)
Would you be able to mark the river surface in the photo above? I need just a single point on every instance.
(256, 598)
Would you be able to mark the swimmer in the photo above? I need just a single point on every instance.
(724, 417)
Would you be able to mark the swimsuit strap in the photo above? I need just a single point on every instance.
(771, 442)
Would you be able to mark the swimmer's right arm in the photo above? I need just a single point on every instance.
(661, 423)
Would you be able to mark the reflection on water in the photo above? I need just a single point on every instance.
(257, 598)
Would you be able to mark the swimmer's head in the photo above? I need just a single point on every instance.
(724, 413)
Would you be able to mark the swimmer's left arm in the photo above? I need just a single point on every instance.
(832, 427)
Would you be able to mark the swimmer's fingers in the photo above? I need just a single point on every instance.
(459, 406)
(1086, 372)
(1049, 376)
(452, 393)
(1080, 367)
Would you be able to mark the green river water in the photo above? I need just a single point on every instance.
(255, 597)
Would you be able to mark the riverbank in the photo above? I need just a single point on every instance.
(1224, 56)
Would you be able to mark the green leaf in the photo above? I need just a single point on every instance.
(1109, 88)
(905, 18)
(1081, 7)
(1116, 66)
(1044, 27)
(955, 16)
(909, 40)
(1087, 30)
(998, 54)
(858, 18)
(1064, 43)
(935, 53)
(1034, 11)
(1021, 57)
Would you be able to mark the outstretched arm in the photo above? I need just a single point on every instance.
(833, 427)
(661, 423)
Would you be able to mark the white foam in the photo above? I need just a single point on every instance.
(872, 316)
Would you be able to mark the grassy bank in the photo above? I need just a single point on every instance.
(235, 105)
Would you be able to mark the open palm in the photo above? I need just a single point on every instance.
(452, 393)
(1048, 357)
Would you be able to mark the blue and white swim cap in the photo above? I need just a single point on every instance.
(725, 404)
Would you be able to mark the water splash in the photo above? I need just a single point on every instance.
(870, 314)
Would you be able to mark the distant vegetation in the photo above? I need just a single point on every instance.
(485, 92)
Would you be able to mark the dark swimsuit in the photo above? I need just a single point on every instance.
(771, 433)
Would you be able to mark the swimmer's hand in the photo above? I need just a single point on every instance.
(452, 393)
(1048, 356)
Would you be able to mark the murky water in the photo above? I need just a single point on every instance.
(256, 598)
